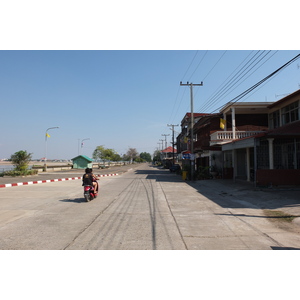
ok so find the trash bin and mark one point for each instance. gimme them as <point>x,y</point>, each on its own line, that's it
<point>184,175</point>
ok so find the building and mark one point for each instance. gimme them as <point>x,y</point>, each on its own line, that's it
<point>271,157</point>
<point>82,162</point>
<point>167,156</point>
<point>240,120</point>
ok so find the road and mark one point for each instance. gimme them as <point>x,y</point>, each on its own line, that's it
<point>145,208</point>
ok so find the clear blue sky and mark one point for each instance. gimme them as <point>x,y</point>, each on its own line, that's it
<point>125,98</point>
<point>121,99</point>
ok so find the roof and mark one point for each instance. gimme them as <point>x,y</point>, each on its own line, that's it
<point>246,107</point>
<point>169,150</point>
<point>83,156</point>
<point>187,116</point>
<point>288,130</point>
<point>279,102</point>
<point>196,115</point>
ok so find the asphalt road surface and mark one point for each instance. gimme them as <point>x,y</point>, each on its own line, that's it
<point>144,209</point>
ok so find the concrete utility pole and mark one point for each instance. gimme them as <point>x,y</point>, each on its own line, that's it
<point>165,135</point>
<point>192,124</point>
<point>162,144</point>
<point>172,125</point>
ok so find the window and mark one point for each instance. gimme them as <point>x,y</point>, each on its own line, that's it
<point>274,119</point>
<point>290,113</point>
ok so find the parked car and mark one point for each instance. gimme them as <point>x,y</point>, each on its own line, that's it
<point>174,168</point>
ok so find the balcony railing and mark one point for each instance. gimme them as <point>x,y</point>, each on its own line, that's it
<point>222,137</point>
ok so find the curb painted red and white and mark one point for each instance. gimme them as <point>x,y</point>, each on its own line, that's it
<point>48,180</point>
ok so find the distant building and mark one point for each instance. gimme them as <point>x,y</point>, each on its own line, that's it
<point>82,162</point>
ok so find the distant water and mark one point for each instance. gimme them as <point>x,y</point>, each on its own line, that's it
<point>6,167</point>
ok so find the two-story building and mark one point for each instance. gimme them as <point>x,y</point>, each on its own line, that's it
<point>271,157</point>
<point>168,156</point>
<point>183,140</point>
<point>240,120</point>
<point>260,141</point>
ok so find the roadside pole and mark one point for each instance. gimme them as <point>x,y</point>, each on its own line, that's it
<point>192,124</point>
<point>172,125</point>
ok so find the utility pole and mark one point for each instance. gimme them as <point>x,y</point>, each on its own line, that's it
<point>192,124</point>
<point>165,135</point>
<point>162,144</point>
<point>172,125</point>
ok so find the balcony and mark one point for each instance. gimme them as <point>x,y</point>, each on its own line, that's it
<point>223,137</point>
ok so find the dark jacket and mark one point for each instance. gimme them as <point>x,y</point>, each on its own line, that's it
<point>87,179</point>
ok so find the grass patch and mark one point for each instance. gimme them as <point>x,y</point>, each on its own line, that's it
<point>277,215</point>
<point>15,173</point>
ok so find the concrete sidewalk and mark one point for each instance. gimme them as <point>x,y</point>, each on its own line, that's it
<point>244,194</point>
<point>223,215</point>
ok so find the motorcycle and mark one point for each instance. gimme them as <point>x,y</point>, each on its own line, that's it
<point>89,193</point>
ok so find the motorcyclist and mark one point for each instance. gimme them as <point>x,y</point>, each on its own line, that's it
<point>90,179</point>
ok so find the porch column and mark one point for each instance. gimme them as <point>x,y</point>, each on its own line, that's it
<point>225,118</point>
<point>271,155</point>
<point>295,154</point>
<point>234,164</point>
<point>248,163</point>
<point>233,122</point>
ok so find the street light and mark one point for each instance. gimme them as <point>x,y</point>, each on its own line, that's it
<point>82,143</point>
<point>46,136</point>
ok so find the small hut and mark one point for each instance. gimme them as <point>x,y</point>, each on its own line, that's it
<point>82,162</point>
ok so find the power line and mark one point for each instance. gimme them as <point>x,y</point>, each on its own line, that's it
<point>219,89</point>
<point>179,88</point>
<point>233,81</point>
<point>245,72</point>
<point>198,64</point>
<point>237,98</point>
<point>215,65</point>
<point>190,64</point>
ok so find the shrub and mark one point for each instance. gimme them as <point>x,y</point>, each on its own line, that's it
<point>21,160</point>
<point>15,173</point>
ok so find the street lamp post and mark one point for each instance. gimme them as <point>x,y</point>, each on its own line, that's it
<point>82,142</point>
<point>46,136</point>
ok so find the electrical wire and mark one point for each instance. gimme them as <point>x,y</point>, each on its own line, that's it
<point>224,83</point>
<point>214,65</point>
<point>240,96</point>
<point>246,71</point>
<point>228,86</point>
<point>179,89</point>
<point>198,65</point>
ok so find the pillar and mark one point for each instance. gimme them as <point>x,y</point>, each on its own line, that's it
<point>271,154</point>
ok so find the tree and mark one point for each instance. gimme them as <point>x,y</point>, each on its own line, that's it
<point>106,154</point>
<point>21,160</point>
<point>156,156</point>
<point>146,156</point>
<point>132,153</point>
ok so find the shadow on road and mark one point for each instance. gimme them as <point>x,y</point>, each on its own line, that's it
<point>160,174</point>
<point>76,200</point>
<point>284,248</point>
<point>228,194</point>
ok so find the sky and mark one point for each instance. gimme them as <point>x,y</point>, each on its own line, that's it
<point>122,99</point>
<point>117,84</point>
